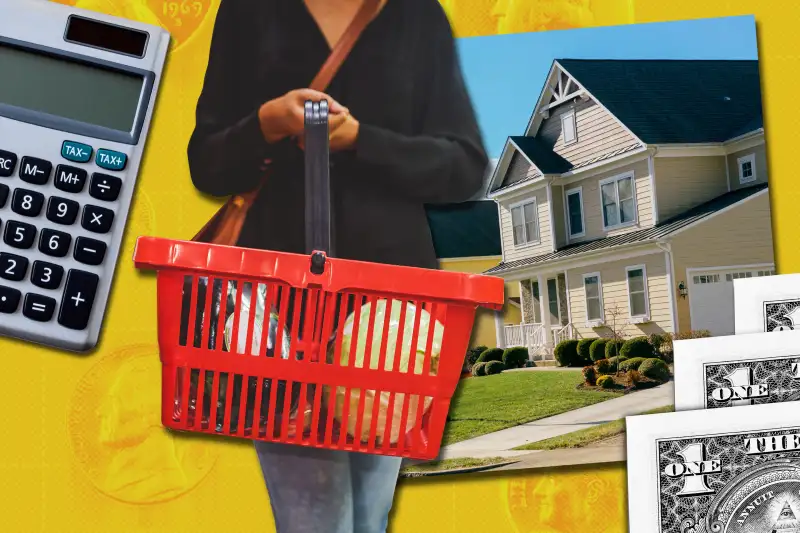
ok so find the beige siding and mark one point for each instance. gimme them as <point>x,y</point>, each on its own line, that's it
<point>519,169</point>
<point>685,182</point>
<point>558,216</point>
<point>738,237</point>
<point>761,166</point>
<point>614,283</point>
<point>598,132</point>
<point>592,212</point>
<point>543,245</point>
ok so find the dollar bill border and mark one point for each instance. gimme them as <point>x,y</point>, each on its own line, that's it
<point>741,362</point>
<point>766,316</point>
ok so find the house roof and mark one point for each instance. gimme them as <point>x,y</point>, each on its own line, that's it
<point>643,236</point>
<point>543,156</point>
<point>469,229</point>
<point>676,101</point>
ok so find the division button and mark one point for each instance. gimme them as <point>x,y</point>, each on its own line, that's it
<point>34,170</point>
<point>78,298</point>
<point>9,300</point>
<point>8,162</point>
<point>70,179</point>
<point>77,152</point>
<point>89,251</point>
<point>105,187</point>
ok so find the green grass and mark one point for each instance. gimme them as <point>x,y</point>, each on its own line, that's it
<point>453,464</point>
<point>490,403</point>
<point>584,437</point>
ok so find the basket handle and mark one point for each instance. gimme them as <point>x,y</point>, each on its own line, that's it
<point>317,184</point>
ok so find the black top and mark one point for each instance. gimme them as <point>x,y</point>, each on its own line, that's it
<point>418,144</point>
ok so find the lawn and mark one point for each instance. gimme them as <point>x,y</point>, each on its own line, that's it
<point>453,464</point>
<point>490,403</point>
<point>584,437</point>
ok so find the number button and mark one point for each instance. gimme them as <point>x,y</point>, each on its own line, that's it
<point>19,234</point>
<point>46,275</point>
<point>38,307</point>
<point>62,211</point>
<point>79,293</point>
<point>13,267</point>
<point>105,187</point>
<point>27,203</point>
<point>8,162</point>
<point>97,219</point>
<point>54,243</point>
<point>34,170</point>
<point>9,300</point>
<point>89,251</point>
<point>70,179</point>
<point>4,191</point>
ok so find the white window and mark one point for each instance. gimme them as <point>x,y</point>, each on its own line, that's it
<point>569,127</point>
<point>639,305</point>
<point>617,201</point>
<point>537,309</point>
<point>575,212</point>
<point>747,168</point>
<point>705,279</point>
<point>593,291</point>
<point>525,223</point>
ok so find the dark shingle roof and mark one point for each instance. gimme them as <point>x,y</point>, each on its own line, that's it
<point>676,101</point>
<point>543,156</point>
<point>637,237</point>
<point>469,229</point>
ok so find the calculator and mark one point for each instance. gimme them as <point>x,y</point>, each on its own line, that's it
<point>77,91</point>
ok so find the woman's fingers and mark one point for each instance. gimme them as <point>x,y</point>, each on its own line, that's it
<point>334,107</point>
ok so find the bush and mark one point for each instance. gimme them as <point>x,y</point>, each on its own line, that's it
<point>473,354</point>
<point>492,354</point>
<point>584,350</point>
<point>597,350</point>
<point>566,353</point>
<point>494,367</point>
<point>655,369</point>
<point>693,334</point>
<point>613,347</point>
<point>515,357</point>
<point>634,378</point>
<point>529,364</point>
<point>479,369</point>
<point>604,366</point>
<point>590,375</point>
<point>606,382</point>
<point>637,347</point>
<point>631,364</point>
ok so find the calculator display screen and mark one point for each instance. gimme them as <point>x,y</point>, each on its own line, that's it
<point>69,89</point>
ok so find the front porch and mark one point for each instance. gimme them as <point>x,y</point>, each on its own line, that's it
<point>534,337</point>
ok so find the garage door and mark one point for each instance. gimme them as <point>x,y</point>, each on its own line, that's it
<point>711,298</point>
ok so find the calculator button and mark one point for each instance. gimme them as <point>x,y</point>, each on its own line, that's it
<point>89,251</point>
<point>111,160</point>
<point>62,211</point>
<point>8,162</point>
<point>4,190</point>
<point>70,179</point>
<point>38,307</point>
<point>104,187</point>
<point>13,267</point>
<point>97,219</point>
<point>54,243</point>
<point>46,275</point>
<point>34,170</point>
<point>9,300</point>
<point>19,234</point>
<point>27,203</point>
<point>77,152</point>
<point>76,303</point>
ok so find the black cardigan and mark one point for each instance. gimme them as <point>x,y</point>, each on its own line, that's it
<point>418,144</point>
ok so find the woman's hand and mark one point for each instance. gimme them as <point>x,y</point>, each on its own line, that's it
<point>344,137</point>
<point>285,116</point>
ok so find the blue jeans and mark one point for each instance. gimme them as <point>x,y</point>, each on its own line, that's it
<point>313,490</point>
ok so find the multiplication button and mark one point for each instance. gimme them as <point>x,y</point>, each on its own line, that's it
<point>35,170</point>
<point>8,162</point>
<point>97,219</point>
<point>78,298</point>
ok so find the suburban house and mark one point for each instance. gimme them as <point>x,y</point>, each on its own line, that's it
<point>635,196</point>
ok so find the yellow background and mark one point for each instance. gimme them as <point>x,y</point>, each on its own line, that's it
<point>82,449</point>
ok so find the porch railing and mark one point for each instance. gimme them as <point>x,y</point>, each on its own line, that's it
<point>563,334</point>
<point>529,335</point>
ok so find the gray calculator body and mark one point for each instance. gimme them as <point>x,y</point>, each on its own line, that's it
<point>73,123</point>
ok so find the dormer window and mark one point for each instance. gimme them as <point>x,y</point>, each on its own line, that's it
<point>569,127</point>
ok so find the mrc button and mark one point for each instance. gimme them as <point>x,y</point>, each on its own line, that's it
<point>77,152</point>
<point>111,160</point>
<point>8,162</point>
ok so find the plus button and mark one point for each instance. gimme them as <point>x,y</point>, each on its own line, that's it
<point>77,299</point>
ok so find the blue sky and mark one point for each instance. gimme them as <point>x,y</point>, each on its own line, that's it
<point>504,74</point>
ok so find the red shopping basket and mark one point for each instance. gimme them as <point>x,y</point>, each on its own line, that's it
<point>288,375</point>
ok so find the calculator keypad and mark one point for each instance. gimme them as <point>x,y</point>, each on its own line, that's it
<point>42,234</point>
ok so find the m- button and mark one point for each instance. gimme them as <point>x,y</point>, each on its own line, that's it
<point>8,162</point>
<point>77,152</point>
<point>111,160</point>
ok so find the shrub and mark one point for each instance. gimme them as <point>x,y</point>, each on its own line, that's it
<point>566,353</point>
<point>606,382</point>
<point>693,334</point>
<point>655,369</point>
<point>492,354</point>
<point>604,366</point>
<point>597,350</point>
<point>637,347</point>
<point>590,375</point>
<point>479,369</point>
<point>584,350</point>
<point>634,378</point>
<point>473,354</point>
<point>631,364</point>
<point>494,367</point>
<point>613,346</point>
<point>529,364</point>
<point>515,357</point>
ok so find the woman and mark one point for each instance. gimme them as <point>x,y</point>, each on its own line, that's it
<point>407,137</point>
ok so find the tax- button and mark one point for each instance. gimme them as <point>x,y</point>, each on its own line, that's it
<point>111,160</point>
<point>77,152</point>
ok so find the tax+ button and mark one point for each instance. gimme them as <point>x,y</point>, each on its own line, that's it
<point>111,160</point>
<point>77,152</point>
